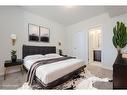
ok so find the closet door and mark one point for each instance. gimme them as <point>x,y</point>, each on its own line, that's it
<point>78,45</point>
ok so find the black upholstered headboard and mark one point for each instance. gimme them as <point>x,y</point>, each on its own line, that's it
<point>31,50</point>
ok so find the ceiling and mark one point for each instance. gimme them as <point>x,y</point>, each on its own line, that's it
<point>68,15</point>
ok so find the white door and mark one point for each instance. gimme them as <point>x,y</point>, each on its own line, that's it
<point>78,45</point>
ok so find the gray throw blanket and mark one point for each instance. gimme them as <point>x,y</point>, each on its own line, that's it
<point>32,71</point>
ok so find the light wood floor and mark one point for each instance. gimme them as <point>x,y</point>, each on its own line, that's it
<point>15,80</point>
<point>100,72</point>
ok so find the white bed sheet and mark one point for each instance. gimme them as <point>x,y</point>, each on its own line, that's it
<point>50,72</point>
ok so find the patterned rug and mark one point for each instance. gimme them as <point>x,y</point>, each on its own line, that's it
<point>82,81</point>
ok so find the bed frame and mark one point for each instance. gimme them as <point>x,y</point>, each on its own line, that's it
<point>31,50</point>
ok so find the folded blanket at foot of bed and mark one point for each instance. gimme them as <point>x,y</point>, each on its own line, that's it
<point>31,72</point>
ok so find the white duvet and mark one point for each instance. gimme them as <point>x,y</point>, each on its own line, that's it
<point>50,72</point>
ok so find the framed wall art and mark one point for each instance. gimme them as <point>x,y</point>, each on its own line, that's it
<point>44,34</point>
<point>38,33</point>
<point>33,32</point>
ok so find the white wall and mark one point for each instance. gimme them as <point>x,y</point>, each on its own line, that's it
<point>15,20</point>
<point>109,53</point>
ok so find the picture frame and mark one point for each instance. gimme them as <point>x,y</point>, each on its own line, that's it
<point>38,33</point>
<point>33,32</point>
<point>44,34</point>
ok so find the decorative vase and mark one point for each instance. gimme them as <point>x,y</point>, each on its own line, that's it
<point>13,58</point>
<point>119,51</point>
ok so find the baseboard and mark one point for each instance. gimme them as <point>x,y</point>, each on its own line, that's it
<point>103,66</point>
<point>108,68</point>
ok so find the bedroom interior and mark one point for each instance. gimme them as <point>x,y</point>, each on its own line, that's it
<point>55,47</point>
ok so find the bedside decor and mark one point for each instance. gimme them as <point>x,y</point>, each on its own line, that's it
<point>120,36</point>
<point>60,50</point>
<point>13,56</point>
<point>13,38</point>
<point>13,51</point>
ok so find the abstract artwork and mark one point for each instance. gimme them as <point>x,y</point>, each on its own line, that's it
<point>33,32</point>
<point>38,33</point>
<point>44,34</point>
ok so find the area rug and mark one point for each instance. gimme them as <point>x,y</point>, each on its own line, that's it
<point>84,81</point>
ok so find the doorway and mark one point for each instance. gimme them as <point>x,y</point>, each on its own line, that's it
<point>94,45</point>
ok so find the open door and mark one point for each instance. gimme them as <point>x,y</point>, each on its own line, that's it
<point>94,45</point>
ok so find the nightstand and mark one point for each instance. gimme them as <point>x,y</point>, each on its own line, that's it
<point>9,63</point>
<point>64,55</point>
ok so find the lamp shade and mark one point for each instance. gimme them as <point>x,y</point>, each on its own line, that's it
<point>13,36</point>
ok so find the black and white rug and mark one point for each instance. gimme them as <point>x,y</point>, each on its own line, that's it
<point>83,81</point>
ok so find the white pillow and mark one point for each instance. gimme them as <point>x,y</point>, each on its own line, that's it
<point>52,55</point>
<point>32,57</point>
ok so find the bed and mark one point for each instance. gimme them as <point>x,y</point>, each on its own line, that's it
<point>51,75</point>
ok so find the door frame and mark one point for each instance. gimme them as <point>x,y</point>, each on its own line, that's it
<point>88,33</point>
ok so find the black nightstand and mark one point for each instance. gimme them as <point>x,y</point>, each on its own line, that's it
<point>64,55</point>
<point>9,63</point>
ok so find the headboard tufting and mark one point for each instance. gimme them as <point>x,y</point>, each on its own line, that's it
<point>31,50</point>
